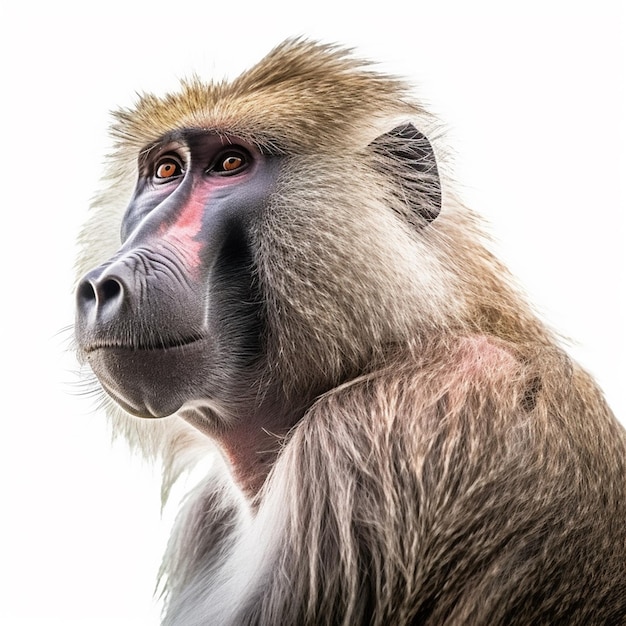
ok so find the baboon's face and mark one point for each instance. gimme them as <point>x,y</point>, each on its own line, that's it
<point>176,305</point>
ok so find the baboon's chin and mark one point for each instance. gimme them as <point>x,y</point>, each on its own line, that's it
<point>148,383</point>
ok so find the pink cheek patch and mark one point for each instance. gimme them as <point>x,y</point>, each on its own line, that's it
<point>182,235</point>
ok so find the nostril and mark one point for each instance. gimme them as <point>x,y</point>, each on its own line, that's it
<point>110,289</point>
<point>86,292</point>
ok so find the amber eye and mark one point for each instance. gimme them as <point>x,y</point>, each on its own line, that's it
<point>167,168</point>
<point>230,162</point>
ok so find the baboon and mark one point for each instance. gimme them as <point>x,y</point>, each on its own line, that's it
<point>283,271</point>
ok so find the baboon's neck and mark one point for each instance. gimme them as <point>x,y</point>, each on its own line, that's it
<point>251,450</point>
<point>250,440</point>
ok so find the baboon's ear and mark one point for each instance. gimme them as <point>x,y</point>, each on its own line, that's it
<point>406,155</point>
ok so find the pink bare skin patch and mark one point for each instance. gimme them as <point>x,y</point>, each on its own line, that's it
<point>478,362</point>
<point>183,233</point>
<point>477,367</point>
<point>482,357</point>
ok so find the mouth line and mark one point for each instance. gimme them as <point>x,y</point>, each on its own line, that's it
<point>158,345</point>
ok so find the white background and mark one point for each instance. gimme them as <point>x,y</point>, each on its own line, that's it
<point>533,96</point>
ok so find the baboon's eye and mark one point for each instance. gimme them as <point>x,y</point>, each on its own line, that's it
<point>230,162</point>
<point>168,168</point>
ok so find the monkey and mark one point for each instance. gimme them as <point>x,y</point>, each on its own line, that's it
<point>279,269</point>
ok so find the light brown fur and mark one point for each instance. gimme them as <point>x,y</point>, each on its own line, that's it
<point>451,464</point>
